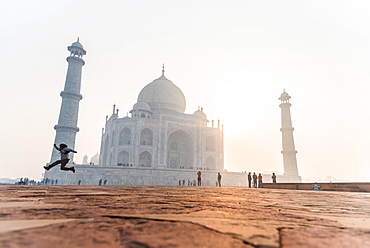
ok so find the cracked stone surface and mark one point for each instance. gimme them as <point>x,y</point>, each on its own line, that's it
<point>164,216</point>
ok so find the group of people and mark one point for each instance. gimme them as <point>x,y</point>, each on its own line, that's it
<point>198,182</point>
<point>190,183</point>
<point>253,179</point>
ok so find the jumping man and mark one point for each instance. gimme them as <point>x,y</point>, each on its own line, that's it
<point>64,158</point>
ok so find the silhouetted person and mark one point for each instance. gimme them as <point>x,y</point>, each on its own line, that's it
<point>199,178</point>
<point>250,180</point>
<point>64,158</point>
<point>219,179</point>
<point>273,178</point>
<point>254,180</point>
<point>259,180</point>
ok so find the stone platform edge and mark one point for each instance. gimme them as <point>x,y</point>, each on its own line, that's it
<point>343,187</point>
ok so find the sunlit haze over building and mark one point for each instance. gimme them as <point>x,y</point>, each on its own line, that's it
<point>232,58</point>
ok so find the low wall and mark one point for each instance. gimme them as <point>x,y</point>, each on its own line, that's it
<point>117,175</point>
<point>344,187</point>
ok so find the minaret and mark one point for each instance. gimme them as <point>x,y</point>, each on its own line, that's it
<point>289,152</point>
<point>66,128</point>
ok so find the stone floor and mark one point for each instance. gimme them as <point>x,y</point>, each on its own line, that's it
<point>161,216</point>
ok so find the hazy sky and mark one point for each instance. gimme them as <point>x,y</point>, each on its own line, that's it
<point>234,58</point>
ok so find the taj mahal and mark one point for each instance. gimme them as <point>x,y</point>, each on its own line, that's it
<point>157,143</point>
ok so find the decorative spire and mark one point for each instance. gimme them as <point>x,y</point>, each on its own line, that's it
<point>78,39</point>
<point>163,70</point>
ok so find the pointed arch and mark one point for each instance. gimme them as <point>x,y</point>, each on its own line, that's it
<point>110,158</point>
<point>145,159</point>
<point>180,152</point>
<point>123,158</point>
<point>106,146</point>
<point>125,136</point>
<point>146,137</point>
<point>112,139</point>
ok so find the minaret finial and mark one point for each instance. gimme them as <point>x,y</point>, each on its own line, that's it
<point>78,39</point>
<point>163,70</point>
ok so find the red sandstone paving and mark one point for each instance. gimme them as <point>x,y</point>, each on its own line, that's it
<point>164,216</point>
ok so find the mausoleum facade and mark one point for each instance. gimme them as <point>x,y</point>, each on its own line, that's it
<point>158,134</point>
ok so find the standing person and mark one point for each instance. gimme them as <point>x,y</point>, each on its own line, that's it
<point>254,180</point>
<point>259,180</point>
<point>273,178</point>
<point>250,180</point>
<point>64,158</point>
<point>219,179</point>
<point>199,178</point>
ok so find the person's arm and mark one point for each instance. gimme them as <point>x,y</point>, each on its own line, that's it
<point>55,146</point>
<point>70,150</point>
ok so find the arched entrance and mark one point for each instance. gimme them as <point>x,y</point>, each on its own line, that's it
<point>146,137</point>
<point>125,137</point>
<point>180,150</point>
<point>106,149</point>
<point>123,158</point>
<point>145,159</point>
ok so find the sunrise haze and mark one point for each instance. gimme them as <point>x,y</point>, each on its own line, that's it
<point>233,58</point>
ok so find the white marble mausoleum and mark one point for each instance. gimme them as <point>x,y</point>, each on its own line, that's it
<point>157,144</point>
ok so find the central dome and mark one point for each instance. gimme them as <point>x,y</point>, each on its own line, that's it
<point>163,94</point>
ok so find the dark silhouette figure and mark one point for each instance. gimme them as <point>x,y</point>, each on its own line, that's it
<point>254,180</point>
<point>64,154</point>
<point>260,181</point>
<point>219,179</point>
<point>199,178</point>
<point>273,178</point>
<point>250,180</point>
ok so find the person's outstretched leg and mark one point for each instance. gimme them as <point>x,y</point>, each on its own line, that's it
<point>52,165</point>
<point>63,166</point>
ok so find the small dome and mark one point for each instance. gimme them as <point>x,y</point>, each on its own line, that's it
<point>200,114</point>
<point>77,49</point>
<point>284,96</point>
<point>163,94</point>
<point>77,44</point>
<point>141,106</point>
